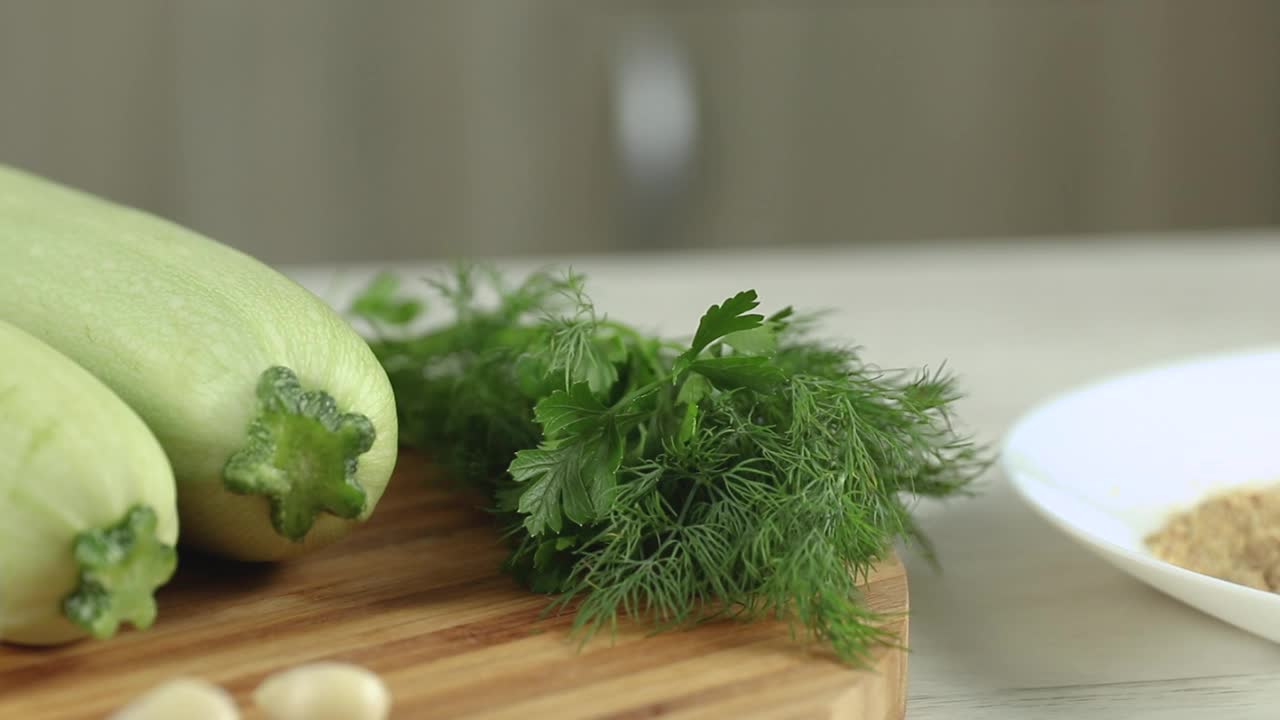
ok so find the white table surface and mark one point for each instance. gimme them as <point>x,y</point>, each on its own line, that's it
<point>1021,623</point>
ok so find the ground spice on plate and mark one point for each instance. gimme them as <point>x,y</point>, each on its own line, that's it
<point>1234,536</point>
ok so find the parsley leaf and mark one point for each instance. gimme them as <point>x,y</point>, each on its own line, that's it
<point>760,340</point>
<point>574,480</point>
<point>721,320</point>
<point>695,388</point>
<point>569,413</point>
<point>733,372</point>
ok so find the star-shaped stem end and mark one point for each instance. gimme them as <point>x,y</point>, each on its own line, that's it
<point>120,567</point>
<point>301,455</point>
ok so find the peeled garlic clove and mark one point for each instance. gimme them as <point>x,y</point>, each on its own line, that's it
<point>185,698</point>
<point>324,691</point>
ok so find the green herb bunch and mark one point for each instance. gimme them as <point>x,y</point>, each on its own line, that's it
<point>751,471</point>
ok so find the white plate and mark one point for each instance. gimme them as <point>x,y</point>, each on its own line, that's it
<point>1107,463</point>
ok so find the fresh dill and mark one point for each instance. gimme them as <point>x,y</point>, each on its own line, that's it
<point>752,471</point>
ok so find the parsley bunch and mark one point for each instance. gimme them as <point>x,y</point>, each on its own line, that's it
<point>751,471</point>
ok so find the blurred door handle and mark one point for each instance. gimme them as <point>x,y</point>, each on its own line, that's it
<point>655,122</point>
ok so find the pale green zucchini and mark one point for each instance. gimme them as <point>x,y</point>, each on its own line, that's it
<point>277,418</point>
<point>88,518</point>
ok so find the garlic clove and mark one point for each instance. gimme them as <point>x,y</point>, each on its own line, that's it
<point>324,691</point>
<point>186,698</point>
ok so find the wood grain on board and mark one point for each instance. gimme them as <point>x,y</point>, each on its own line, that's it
<point>415,595</point>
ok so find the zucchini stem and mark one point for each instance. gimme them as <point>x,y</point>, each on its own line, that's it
<point>301,454</point>
<point>120,567</point>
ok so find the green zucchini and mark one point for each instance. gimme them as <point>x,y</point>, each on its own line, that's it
<point>277,418</point>
<point>88,517</point>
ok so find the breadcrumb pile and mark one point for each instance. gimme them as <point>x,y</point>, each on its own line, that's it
<point>1234,536</point>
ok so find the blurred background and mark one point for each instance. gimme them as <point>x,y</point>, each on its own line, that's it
<point>341,130</point>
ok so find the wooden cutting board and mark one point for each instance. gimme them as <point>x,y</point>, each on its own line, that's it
<point>416,597</point>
